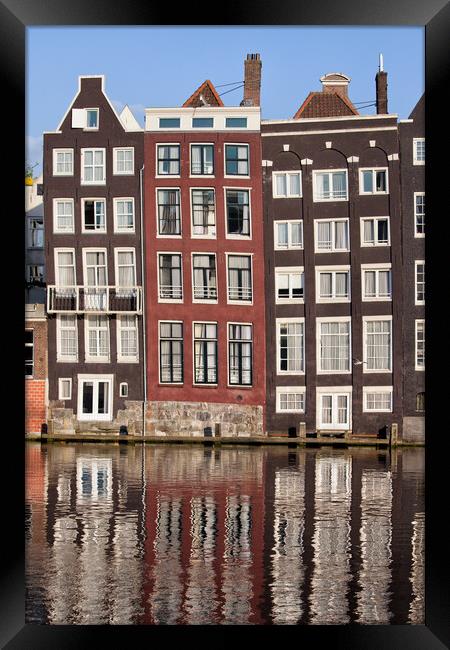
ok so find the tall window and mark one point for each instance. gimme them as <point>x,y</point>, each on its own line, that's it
<point>63,220</point>
<point>378,345</point>
<point>65,268</point>
<point>95,402</point>
<point>238,212</point>
<point>62,162</point>
<point>127,338</point>
<point>35,233</point>
<point>240,354</point>
<point>373,181</point>
<point>291,346</point>
<point>419,213</point>
<point>97,338</point>
<point>332,285</point>
<point>124,160</point>
<point>289,284</point>
<point>240,278</point>
<point>169,220</point>
<point>203,213</point>
<point>124,215</point>
<point>375,231</point>
<point>237,160</point>
<point>419,151</point>
<point>288,235</point>
<point>94,218</point>
<point>204,276</point>
<point>420,345</point>
<point>332,235</point>
<point>29,352</point>
<point>287,184</point>
<point>376,284</point>
<point>66,337</point>
<point>170,276</point>
<point>171,353</point>
<point>333,346</point>
<point>202,159</point>
<point>95,269</point>
<point>420,283</point>
<point>420,402</point>
<point>93,170</point>
<point>205,353</point>
<point>330,185</point>
<point>125,272</point>
<point>169,160</point>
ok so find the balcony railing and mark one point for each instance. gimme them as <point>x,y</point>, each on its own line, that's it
<point>94,300</point>
<point>203,292</point>
<point>240,293</point>
<point>170,292</point>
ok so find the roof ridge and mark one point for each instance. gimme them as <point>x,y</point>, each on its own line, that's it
<point>206,84</point>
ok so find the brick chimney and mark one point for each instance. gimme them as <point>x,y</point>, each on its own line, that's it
<point>335,82</point>
<point>381,89</point>
<point>252,80</point>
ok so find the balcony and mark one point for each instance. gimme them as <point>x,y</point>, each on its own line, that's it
<point>243,294</point>
<point>94,300</point>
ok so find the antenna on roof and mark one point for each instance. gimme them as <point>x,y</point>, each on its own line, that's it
<point>381,63</point>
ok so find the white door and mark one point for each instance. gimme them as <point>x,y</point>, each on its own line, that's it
<point>334,411</point>
<point>95,399</point>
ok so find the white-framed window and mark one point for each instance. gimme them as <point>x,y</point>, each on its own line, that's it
<point>171,352</point>
<point>127,338</point>
<point>95,397</point>
<point>332,284</point>
<point>239,278</point>
<point>63,216</point>
<point>93,166</point>
<point>66,337</point>
<point>334,407</point>
<point>36,232</point>
<point>29,353</point>
<point>167,159</point>
<point>124,215</point>
<point>375,231</point>
<point>97,338</point>
<point>237,160</point>
<point>330,185</point>
<point>419,214</point>
<point>93,215</point>
<point>62,162</point>
<point>286,184</point>
<point>237,206</point>
<point>373,180</point>
<point>169,212</point>
<point>418,151</point>
<point>376,282</point>
<point>204,277</point>
<point>289,284</point>
<point>240,354</point>
<point>95,269</point>
<point>331,235</point>
<point>170,277</point>
<point>333,345</point>
<point>203,210</point>
<point>377,343</point>
<point>205,352</point>
<point>420,344</point>
<point>288,235</point>
<point>123,389</point>
<point>290,399</point>
<point>65,274</point>
<point>377,399</point>
<point>202,159</point>
<point>92,119</point>
<point>65,388</point>
<point>123,161</point>
<point>125,267</point>
<point>290,334</point>
<point>419,282</point>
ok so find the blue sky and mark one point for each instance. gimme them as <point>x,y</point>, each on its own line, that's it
<point>162,66</point>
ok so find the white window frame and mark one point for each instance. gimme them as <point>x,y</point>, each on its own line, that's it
<point>118,229</point>
<point>65,250</point>
<point>333,249</point>
<point>375,243</point>
<point>203,144</point>
<point>419,321</point>
<point>204,322</point>
<point>59,357</point>
<point>158,235</point>
<point>96,231</point>
<point>290,245</point>
<point>116,172</point>
<point>82,154</point>
<point>167,144</point>
<point>121,358</point>
<point>376,268</point>
<point>56,230</point>
<point>250,215</point>
<point>366,319</point>
<point>278,323</point>
<point>334,391</point>
<point>329,171</point>
<point>377,390</point>
<point>282,390</point>
<point>419,235</point>
<point>333,270</point>
<point>94,249</point>
<point>95,417</point>
<point>235,144</point>
<point>123,249</point>
<point>252,343</point>
<point>289,271</point>
<point>123,389</point>
<point>415,159</point>
<point>204,300</point>
<point>238,302</point>
<point>416,264</point>
<point>65,151</point>
<point>170,300</point>
<point>202,189</point>
<point>97,358</point>
<point>92,128</point>
<point>183,351</point>
<point>373,170</point>
<point>288,195</point>
<point>61,395</point>
<point>333,319</point>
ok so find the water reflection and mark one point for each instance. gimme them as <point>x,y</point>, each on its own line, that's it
<point>190,535</point>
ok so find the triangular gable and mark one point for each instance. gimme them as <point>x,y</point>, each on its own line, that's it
<point>329,104</point>
<point>205,95</point>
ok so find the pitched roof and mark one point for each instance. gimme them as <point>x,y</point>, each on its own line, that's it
<point>205,95</point>
<point>325,104</point>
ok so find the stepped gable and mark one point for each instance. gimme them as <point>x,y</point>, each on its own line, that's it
<point>205,95</point>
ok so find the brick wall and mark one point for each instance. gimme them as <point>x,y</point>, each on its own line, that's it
<point>40,347</point>
<point>34,405</point>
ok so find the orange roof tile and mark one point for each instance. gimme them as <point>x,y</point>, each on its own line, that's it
<point>209,93</point>
<point>325,104</point>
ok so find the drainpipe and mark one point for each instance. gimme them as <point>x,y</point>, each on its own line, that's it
<point>144,352</point>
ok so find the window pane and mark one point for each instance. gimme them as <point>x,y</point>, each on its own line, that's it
<point>367,181</point>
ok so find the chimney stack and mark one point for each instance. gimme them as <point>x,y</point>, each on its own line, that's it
<point>335,82</point>
<point>252,80</point>
<point>381,88</point>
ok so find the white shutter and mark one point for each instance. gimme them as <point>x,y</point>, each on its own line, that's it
<point>78,118</point>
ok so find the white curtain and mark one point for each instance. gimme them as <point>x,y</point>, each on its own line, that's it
<point>324,235</point>
<point>281,184</point>
<point>369,231</point>
<point>369,284</point>
<point>326,285</point>
<point>125,263</point>
<point>378,345</point>
<point>341,235</point>
<point>297,234</point>
<point>342,284</point>
<point>66,269</point>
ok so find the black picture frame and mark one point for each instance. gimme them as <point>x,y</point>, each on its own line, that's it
<point>15,17</point>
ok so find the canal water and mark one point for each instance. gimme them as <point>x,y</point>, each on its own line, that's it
<point>192,534</point>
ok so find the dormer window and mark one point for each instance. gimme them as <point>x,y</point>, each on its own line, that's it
<point>85,118</point>
<point>92,118</point>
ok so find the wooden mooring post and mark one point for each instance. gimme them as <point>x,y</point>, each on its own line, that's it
<point>302,430</point>
<point>393,436</point>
